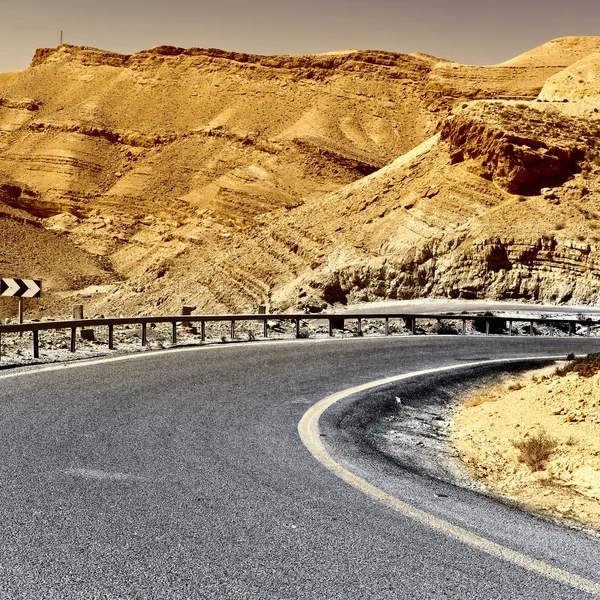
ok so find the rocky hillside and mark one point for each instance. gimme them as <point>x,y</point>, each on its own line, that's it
<point>579,82</point>
<point>230,180</point>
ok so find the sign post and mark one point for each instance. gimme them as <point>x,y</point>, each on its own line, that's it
<point>20,314</point>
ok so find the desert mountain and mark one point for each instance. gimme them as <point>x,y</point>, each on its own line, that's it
<point>228,180</point>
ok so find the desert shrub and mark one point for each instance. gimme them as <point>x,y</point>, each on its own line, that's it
<point>446,328</point>
<point>535,449</point>
<point>497,325</point>
<point>584,366</point>
<point>564,327</point>
<point>559,226</point>
<point>304,333</point>
<point>521,106</point>
<point>513,387</point>
<point>478,399</point>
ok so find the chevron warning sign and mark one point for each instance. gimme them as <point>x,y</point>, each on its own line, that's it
<point>25,288</point>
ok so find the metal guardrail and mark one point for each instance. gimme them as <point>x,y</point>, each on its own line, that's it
<point>506,97</point>
<point>334,320</point>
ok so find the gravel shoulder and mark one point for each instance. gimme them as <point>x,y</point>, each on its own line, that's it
<point>535,440</point>
<point>460,428</point>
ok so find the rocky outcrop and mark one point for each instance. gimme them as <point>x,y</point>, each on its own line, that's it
<point>542,270</point>
<point>521,162</point>
<point>116,136</point>
<point>26,104</point>
<point>310,66</point>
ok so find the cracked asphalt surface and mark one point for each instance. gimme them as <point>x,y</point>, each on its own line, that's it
<point>182,475</point>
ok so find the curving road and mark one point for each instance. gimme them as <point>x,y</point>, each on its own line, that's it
<point>182,475</point>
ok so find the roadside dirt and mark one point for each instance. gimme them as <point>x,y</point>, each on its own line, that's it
<point>493,431</point>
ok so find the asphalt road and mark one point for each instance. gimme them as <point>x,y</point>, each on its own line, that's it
<point>438,306</point>
<point>182,475</point>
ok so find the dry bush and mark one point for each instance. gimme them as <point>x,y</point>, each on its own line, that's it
<point>496,324</point>
<point>535,449</point>
<point>477,400</point>
<point>513,387</point>
<point>445,328</point>
<point>584,366</point>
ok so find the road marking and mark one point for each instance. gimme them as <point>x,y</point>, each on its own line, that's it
<point>308,429</point>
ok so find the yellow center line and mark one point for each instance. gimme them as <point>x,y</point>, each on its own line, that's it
<point>308,429</point>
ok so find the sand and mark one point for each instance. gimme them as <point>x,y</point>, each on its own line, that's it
<point>567,408</point>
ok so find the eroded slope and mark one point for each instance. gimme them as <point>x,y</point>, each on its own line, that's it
<point>228,180</point>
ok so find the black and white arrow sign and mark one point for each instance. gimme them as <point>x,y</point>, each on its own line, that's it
<point>26,288</point>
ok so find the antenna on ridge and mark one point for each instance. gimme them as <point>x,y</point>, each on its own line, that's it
<point>61,37</point>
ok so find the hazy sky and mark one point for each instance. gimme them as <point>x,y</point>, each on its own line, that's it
<point>469,31</point>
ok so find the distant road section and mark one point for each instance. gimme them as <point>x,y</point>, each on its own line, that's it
<point>471,306</point>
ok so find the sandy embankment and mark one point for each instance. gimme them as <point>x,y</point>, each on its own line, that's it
<point>567,409</point>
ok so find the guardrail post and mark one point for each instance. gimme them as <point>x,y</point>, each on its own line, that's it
<point>551,329</point>
<point>413,325</point>
<point>359,327</point>
<point>487,327</point>
<point>202,330</point>
<point>570,329</point>
<point>73,338</point>
<point>111,338</point>
<point>297,328</point>
<point>531,328</point>
<point>464,326</point>
<point>438,325</point>
<point>232,332</point>
<point>330,328</point>
<point>36,345</point>
<point>387,326</point>
<point>20,314</point>
<point>144,340</point>
<point>265,328</point>
<point>174,333</point>
<point>589,330</point>
<point>510,327</point>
